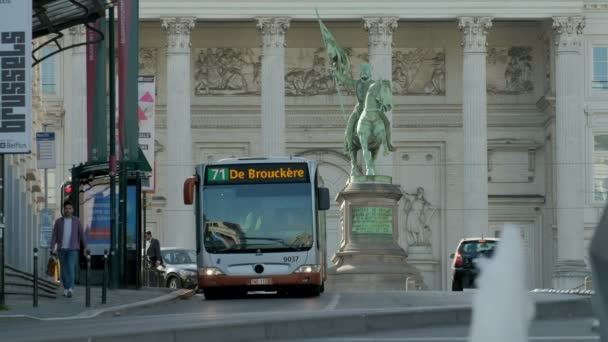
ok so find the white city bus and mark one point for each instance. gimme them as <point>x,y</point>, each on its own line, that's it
<point>260,226</point>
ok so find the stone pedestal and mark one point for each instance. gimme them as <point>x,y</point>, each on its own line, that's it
<point>369,257</point>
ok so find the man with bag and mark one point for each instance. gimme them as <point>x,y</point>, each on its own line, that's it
<point>67,239</point>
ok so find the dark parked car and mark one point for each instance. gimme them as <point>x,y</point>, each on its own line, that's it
<point>464,266</point>
<point>179,267</point>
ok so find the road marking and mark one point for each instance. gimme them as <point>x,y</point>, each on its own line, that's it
<point>333,302</point>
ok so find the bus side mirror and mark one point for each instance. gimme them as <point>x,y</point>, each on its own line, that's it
<point>189,186</point>
<point>452,256</point>
<point>323,199</point>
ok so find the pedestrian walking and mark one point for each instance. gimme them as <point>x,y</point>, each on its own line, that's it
<point>154,257</point>
<point>68,240</point>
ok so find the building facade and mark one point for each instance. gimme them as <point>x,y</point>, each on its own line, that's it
<point>500,113</point>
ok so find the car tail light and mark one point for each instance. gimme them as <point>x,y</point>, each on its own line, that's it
<point>458,260</point>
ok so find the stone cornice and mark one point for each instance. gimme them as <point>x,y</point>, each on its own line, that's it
<point>178,33</point>
<point>273,30</point>
<point>474,33</point>
<point>592,5</point>
<point>404,116</point>
<point>568,33</point>
<point>380,30</point>
<point>355,10</point>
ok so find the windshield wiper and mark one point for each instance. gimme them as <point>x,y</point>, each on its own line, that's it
<point>218,250</point>
<point>281,241</point>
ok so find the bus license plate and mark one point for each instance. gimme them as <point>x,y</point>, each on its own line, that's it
<point>261,281</point>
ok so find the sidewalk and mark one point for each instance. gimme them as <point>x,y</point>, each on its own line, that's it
<point>63,307</point>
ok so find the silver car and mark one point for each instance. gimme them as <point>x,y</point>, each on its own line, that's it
<point>179,267</point>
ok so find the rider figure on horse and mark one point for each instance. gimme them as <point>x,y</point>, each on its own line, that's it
<point>361,87</point>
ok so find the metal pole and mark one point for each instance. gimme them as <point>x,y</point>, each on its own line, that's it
<point>138,233</point>
<point>104,284</point>
<point>35,277</point>
<point>2,300</point>
<point>143,242</point>
<point>122,207</point>
<point>2,226</point>
<point>112,88</point>
<point>88,280</point>
<point>46,180</point>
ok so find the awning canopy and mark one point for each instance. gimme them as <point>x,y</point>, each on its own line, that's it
<point>52,16</point>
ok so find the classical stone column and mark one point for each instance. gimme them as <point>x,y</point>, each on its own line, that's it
<point>570,268</point>
<point>273,85</point>
<point>179,219</point>
<point>75,127</point>
<point>380,42</point>
<point>474,121</point>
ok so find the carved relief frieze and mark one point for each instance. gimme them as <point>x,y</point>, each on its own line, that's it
<point>509,70</point>
<point>147,61</point>
<point>307,75</point>
<point>307,71</point>
<point>418,71</point>
<point>227,71</point>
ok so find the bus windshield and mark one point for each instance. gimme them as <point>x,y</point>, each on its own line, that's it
<point>257,218</point>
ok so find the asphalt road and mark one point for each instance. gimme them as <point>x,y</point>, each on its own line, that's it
<point>564,330</point>
<point>327,301</point>
<point>189,313</point>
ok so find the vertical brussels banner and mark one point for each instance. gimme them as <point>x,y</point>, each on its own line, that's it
<point>128,66</point>
<point>97,139</point>
<point>146,118</point>
<point>15,76</point>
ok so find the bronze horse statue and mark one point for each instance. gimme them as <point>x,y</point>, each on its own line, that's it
<point>370,132</point>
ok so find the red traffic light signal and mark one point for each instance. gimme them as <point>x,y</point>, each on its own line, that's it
<point>68,189</point>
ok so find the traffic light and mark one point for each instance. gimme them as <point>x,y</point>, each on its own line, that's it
<point>66,193</point>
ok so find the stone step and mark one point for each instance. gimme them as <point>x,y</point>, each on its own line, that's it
<point>21,283</point>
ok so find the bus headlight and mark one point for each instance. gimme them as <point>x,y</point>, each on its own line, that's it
<point>308,269</point>
<point>210,271</point>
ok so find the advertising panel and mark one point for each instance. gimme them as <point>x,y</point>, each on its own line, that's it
<point>145,114</point>
<point>15,76</point>
<point>95,216</point>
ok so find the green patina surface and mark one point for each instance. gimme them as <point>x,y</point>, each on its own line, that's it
<point>372,220</point>
<point>371,179</point>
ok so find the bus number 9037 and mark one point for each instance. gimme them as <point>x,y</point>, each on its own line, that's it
<point>290,258</point>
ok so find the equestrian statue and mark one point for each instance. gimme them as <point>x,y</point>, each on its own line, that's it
<point>368,127</point>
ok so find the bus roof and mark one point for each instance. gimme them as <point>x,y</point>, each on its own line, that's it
<point>259,160</point>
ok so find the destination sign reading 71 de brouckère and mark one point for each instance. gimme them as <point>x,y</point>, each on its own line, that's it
<point>256,173</point>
